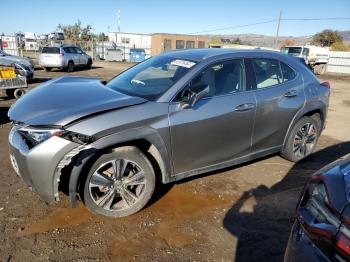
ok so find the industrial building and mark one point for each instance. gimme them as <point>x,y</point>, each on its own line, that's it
<point>135,47</point>
<point>162,42</point>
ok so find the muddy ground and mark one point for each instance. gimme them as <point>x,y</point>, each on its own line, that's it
<point>243,213</point>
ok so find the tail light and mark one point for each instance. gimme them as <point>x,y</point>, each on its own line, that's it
<point>326,84</point>
<point>317,217</point>
<point>343,244</point>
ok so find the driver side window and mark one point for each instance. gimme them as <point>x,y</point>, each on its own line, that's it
<point>222,78</point>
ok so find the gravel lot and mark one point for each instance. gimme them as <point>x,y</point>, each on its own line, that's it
<point>242,213</point>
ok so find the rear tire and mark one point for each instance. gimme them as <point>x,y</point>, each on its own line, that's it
<point>89,63</point>
<point>302,139</point>
<point>119,183</point>
<point>70,66</point>
<point>19,93</point>
<point>47,69</point>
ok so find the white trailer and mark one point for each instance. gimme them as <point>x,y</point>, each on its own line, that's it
<point>315,56</point>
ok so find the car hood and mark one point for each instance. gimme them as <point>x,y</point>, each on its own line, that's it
<point>7,60</point>
<point>63,100</point>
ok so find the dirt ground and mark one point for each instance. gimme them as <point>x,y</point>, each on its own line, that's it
<point>243,213</point>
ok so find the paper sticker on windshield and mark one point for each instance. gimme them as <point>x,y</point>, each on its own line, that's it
<point>182,63</point>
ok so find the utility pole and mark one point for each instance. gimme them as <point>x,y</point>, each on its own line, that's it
<point>278,29</point>
<point>119,21</point>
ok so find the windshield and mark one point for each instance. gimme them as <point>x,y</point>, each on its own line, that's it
<point>50,50</point>
<point>151,78</point>
<point>293,51</point>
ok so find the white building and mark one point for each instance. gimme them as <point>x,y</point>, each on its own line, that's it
<point>127,41</point>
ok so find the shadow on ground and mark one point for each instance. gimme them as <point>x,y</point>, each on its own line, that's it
<point>3,115</point>
<point>262,233</point>
<point>76,69</point>
<point>38,80</point>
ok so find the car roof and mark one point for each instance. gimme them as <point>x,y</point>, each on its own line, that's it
<point>205,53</point>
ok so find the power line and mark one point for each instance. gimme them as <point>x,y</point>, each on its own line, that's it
<point>232,27</point>
<point>271,21</point>
<point>316,19</point>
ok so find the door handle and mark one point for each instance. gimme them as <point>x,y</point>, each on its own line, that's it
<point>244,107</point>
<point>291,93</point>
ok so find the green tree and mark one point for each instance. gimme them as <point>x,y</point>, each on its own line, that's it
<point>76,32</point>
<point>327,38</point>
<point>102,37</point>
<point>340,46</point>
<point>237,41</point>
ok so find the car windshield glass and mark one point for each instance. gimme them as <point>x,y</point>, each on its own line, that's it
<point>51,50</point>
<point>151,78</point>
<point>294,51</point>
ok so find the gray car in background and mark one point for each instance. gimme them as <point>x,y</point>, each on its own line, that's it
<point>65,57</point>
<point>24,65</point>
<point>172,116</point>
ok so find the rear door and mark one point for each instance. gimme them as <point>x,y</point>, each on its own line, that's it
<point>81,55</point>
<point>71,55</point>
<point>75,55</point>
<point>217,128</point>
<point>280,95</point>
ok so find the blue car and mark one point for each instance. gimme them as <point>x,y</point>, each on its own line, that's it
<point>321,231</point>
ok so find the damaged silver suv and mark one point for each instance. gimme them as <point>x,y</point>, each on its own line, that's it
<point>173,116</point>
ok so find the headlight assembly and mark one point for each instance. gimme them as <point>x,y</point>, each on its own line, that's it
<point>36,136</point>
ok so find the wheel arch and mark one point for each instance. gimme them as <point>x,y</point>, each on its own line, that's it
<point>147,140</point>
<point>311,111</point>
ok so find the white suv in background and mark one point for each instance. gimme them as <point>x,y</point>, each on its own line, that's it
<point>65,57</point>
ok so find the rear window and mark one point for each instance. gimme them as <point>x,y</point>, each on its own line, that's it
<point>270,72</point>
<point>50,50</point>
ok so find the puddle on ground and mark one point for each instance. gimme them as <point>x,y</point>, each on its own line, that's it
<point>59,218</point>
<point>181,203</point>
<point>174,210</point>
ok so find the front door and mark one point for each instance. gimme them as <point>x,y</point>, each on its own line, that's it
<point>219,127</point>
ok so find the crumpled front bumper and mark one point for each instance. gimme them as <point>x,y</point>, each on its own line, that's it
<point>37,166</point>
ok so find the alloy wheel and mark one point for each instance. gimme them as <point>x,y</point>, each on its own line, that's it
<point>304,140</point>
<point>117,185</point>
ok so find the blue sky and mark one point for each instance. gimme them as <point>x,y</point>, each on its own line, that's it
<point>180,16</point>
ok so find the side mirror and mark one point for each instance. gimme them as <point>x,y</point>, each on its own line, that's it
<point>195,97</point>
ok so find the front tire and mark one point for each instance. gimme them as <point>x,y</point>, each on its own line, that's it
<point>302,139</point>
<point>70,67</point>
<point>119,183</point>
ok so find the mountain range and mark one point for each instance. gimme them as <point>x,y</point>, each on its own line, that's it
<point>269,41</point>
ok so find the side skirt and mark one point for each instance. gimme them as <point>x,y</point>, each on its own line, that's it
<point>225,164</point>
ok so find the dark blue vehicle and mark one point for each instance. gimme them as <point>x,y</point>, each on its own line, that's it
<point>321,231</point>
